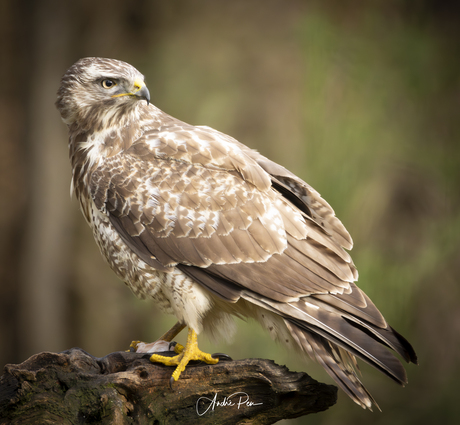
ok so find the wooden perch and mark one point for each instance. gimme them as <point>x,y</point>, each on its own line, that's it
<point>126,388</point>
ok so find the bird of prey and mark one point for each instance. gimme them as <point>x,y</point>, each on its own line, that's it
<point>211,229</point>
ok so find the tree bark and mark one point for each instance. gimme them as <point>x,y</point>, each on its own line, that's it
<point>74,387</point>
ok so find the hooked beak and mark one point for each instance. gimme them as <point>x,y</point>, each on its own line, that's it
<point>139,90</point>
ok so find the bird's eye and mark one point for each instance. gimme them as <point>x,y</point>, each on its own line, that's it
<point>108,83</point>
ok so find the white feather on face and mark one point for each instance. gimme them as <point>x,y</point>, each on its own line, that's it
<point>209,229</point>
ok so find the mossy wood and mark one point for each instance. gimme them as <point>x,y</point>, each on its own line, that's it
<point>74,387</point>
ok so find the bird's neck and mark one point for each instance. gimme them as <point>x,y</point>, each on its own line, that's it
<point>89,149</point>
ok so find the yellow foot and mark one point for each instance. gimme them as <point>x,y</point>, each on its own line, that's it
<point>178,348</point>
<point>188,353</point>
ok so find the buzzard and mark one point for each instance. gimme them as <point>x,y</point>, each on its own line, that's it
<point>211,229</point>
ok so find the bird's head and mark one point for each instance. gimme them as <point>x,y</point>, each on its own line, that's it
<point>96,91</point>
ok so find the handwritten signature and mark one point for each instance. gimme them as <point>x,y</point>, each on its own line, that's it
<point>239,399</point>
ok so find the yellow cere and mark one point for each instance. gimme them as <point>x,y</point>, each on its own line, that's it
<point>138,84</point>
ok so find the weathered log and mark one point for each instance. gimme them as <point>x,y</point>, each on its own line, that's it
<point>74,387</point>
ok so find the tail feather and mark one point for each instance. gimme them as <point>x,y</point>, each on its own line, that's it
<point>335,338</point>
<point>337,363</point>
<point>359,344</point>
<point>367,317</point>
<point>385,335</point>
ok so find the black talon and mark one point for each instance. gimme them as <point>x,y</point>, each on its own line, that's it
<point>222,356</point>
<point>171,382</point>
<point>172,344</point>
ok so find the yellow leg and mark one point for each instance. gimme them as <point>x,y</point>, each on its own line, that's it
<point>189,353</point>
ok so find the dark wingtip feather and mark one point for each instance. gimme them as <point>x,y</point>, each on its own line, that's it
<point>410,355</point>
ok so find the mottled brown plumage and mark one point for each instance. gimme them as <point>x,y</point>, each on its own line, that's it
<point>209,228</point>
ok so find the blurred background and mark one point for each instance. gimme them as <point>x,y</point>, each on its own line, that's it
<point>360,99</point>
